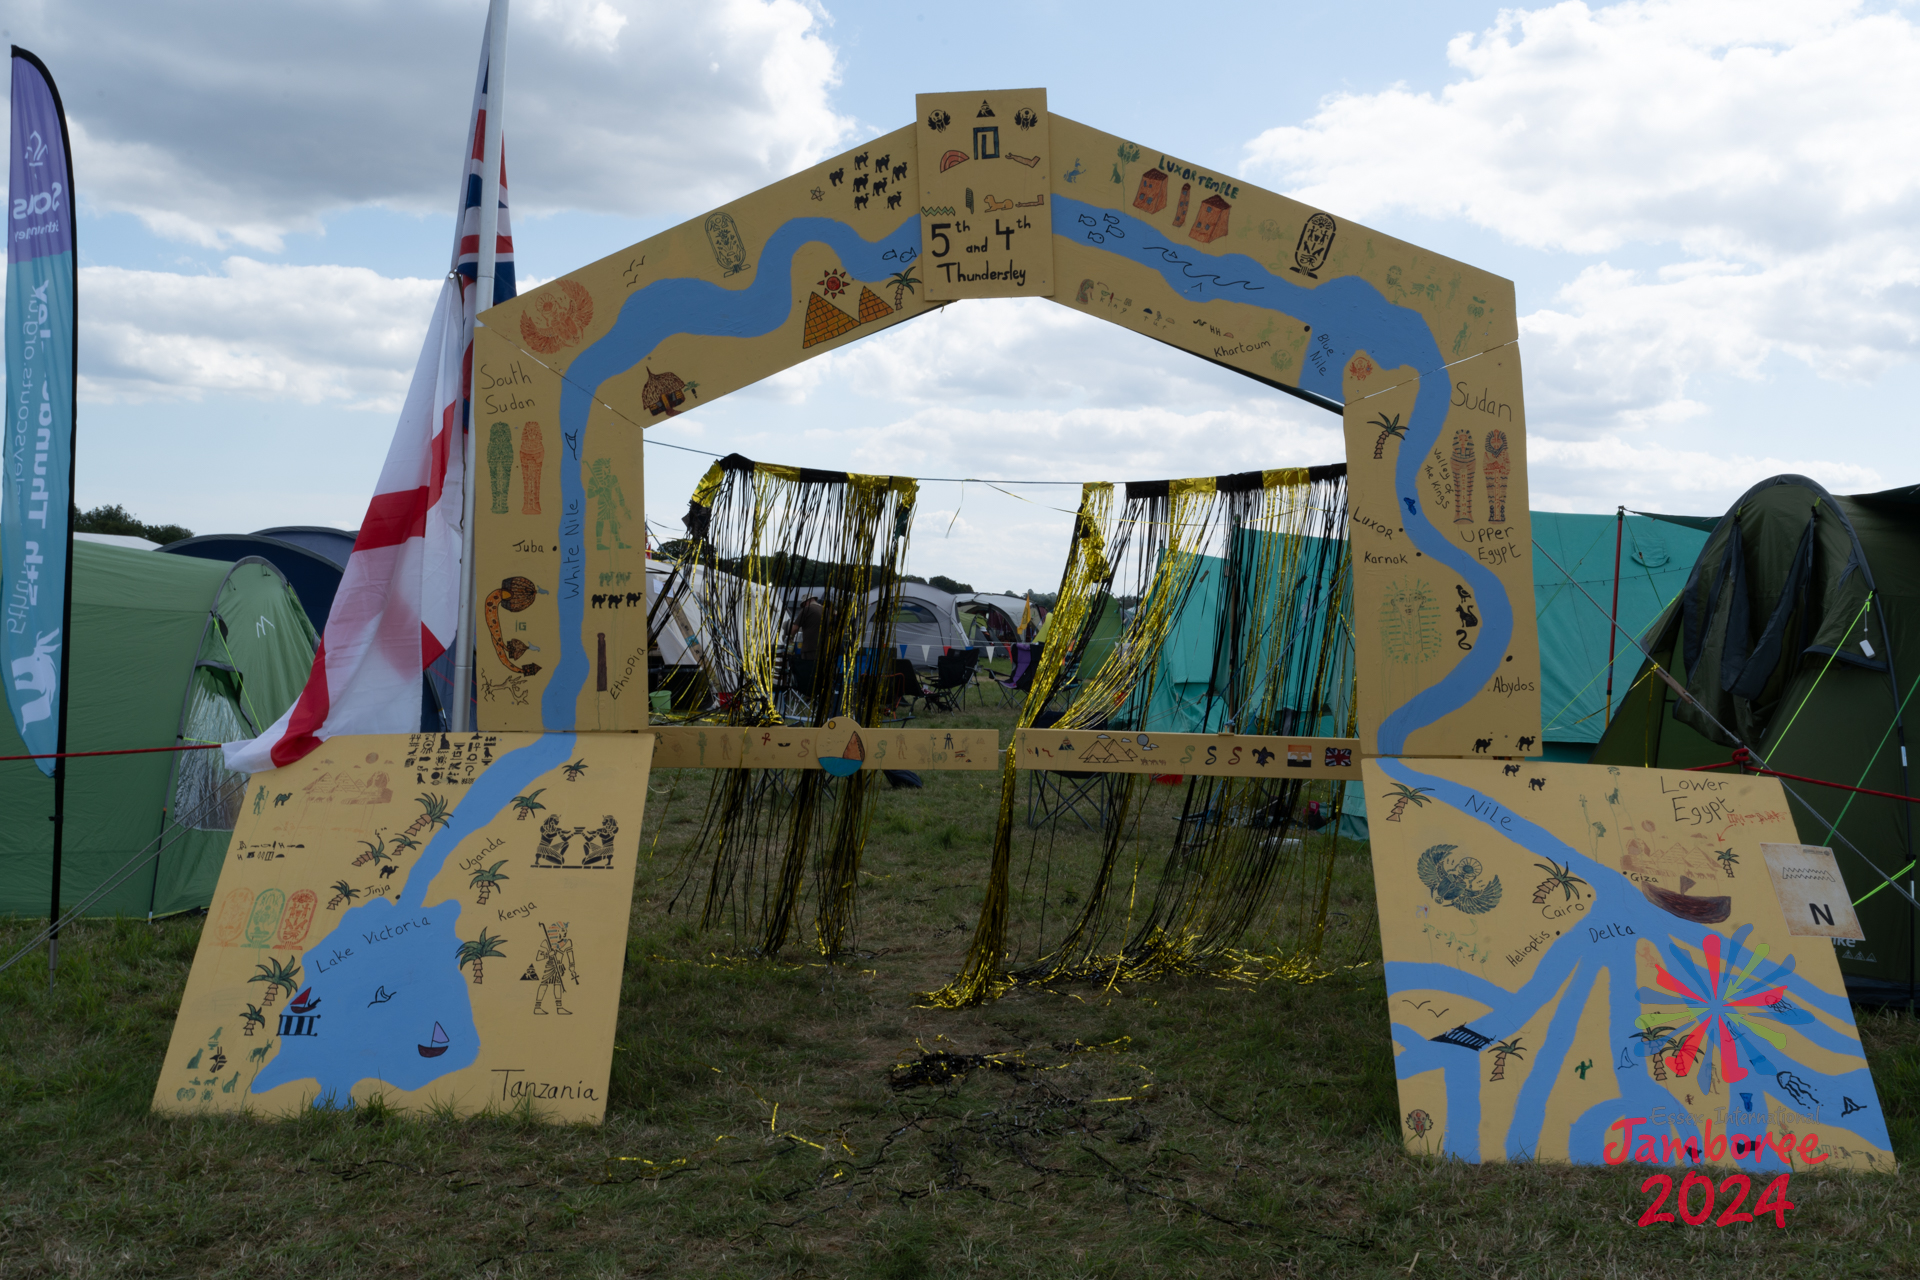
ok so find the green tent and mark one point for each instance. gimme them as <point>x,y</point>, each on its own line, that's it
<point>1798,634</point>
<point>1573,583</point>
<point>166,649</point>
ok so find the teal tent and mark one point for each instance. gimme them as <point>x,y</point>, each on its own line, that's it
<point>1573,594</point>
<point>1193,665</point>
<point>166,650</point>
<point>1573,566</point>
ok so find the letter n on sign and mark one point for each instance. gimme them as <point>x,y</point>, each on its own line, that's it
<point>1814,898</point>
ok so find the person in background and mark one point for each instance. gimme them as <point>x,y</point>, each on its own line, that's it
<point>807,620</point>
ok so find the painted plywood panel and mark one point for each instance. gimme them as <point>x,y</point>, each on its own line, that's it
<point>1447,644</point>
<point>1250,279</point>
<point>797,268</point>
<point>1590,964</point>
<point>1197,258</point>
<point>984,178</point>
<point>435,918</point>
<point>1213,755</point>
<point>841,747</point>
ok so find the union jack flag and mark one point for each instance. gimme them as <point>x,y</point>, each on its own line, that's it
<point>466,249</point>
<point>399,597</point>
<point>1339,758</point>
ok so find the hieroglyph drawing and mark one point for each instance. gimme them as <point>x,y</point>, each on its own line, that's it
<point>1539,921</point>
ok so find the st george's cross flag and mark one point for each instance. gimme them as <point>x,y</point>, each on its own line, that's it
<point>399,598</point>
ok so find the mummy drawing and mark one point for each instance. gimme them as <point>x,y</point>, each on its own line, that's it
<point>1463,477</point>
<point>1499,467</point>
<point>500,464</point>
<point>533,456</point>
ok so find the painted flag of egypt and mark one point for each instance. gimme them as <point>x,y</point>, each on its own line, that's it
<point>400,595</point>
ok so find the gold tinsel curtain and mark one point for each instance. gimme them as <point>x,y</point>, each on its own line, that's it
<point>762,540</point>
<point>1281,663</point>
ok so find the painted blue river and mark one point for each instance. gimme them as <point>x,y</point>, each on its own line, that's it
<point>386,972</point>
<point>648,317</point>
<point>1348,313</point>
<point>1348,316</point>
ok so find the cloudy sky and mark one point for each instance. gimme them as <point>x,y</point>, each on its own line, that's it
<point>1708,209</point>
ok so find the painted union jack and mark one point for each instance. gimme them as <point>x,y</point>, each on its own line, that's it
<point>1339,758</point>
<point>399,598</point>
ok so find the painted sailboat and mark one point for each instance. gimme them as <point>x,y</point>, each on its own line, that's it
<point>438,1044</point>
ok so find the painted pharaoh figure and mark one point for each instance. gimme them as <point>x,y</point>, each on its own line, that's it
<point>554,963</point>
<point>533,457</point>
<point>610,504</point>
<point>1499,468</point>
<point>499,464</point>
<point>1463,477</point>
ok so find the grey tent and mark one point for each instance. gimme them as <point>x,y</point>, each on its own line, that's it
<point>925,624</point>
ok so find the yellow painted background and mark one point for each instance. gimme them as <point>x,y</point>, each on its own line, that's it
<point>1641,823</point>
<point>363,788</point>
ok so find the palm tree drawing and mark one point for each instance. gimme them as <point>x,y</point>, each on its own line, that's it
<point>342,892</point>
<point>903,283</point>
<point>476,953</point>
<point>488,880</point>
<point>1403,795</point>
<point>376,850</point>
<point>434,815</point>
<point>1558,877</point>
<point>1501,1052</point>
<point>403,842</point>
<point>1390,429</point>
<point>277,975</point>
<point>1657,1041</point>
<point>253,1018</point>
<point>1727,858</point>
<point>574,770</point>
<point>526,804</point>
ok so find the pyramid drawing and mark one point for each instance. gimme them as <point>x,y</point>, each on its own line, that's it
<point>871,308</point>
<point>1102,752</point>
<point>824,321</point>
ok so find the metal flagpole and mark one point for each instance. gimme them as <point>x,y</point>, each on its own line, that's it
<point>464,637</point>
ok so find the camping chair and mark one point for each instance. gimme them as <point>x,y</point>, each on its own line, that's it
<point>1053,794</point>
<point>793,686</point>
<point>1026,661</point>
<point>903,687</point>
<point>955,674</point>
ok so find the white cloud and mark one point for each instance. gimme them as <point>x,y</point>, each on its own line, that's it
<point>1752,138</point>
<point>340,335</point>
<point>219,124</point>
<point>1597,475</point>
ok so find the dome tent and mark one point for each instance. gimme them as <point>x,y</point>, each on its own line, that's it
<point>166,649</point>
<point>1798,633</point>
<point>313,559</point>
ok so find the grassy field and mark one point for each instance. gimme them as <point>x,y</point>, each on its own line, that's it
<point>793,1117</point>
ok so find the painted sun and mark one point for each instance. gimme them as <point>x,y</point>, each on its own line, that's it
<point>836,282</point>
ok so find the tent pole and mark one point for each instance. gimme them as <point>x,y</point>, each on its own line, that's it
<point>66,603</point>
<point>1613,630</point>
<point>460,713</point>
